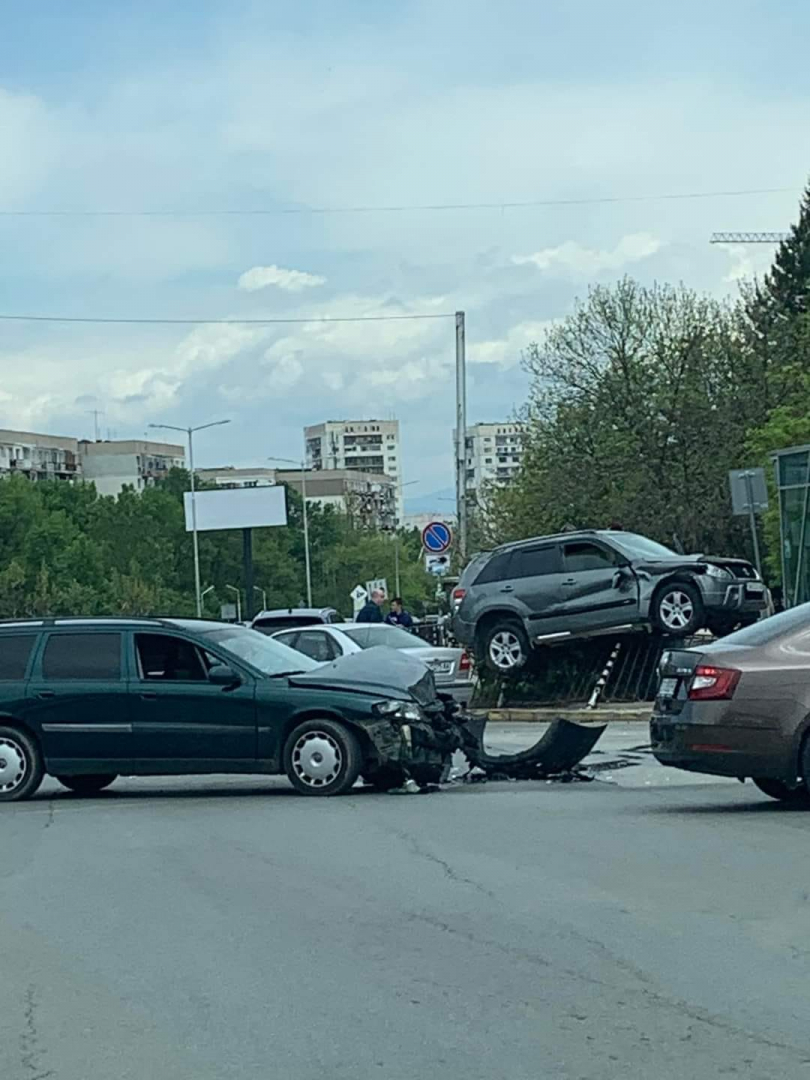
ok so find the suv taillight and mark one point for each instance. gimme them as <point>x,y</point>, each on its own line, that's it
<point>464,663</point>
<point>713,683</point>
<point>458,596</point>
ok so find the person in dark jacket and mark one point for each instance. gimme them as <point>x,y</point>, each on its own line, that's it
<point>398,616</point>
<point>370,612</point>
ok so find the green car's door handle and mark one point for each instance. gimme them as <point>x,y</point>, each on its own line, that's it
<point>149,697</point>
<point>46,693</point>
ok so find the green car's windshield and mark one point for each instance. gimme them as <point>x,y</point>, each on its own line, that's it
<point>271,657</point>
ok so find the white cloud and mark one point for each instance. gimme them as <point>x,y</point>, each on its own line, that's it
<point>506,352</point>
<point>262,277</point>
<point>585,262</point>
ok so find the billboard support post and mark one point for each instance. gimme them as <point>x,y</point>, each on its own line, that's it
<point>247,557</point>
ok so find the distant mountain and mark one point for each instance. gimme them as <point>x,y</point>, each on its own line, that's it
<point>440,503</point>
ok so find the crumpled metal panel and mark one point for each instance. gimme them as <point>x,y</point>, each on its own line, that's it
<point>564,744</point>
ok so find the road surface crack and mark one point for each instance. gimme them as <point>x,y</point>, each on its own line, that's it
<point>31,1050</point>
<point>449,872</point>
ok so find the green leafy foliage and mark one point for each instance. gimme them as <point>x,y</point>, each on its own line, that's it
<point>66,550</point>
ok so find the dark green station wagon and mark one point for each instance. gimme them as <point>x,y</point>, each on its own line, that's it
<point>88,700</point>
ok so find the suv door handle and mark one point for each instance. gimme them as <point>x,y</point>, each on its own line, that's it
<point>508,588</point>
<point>570,581</point>
<point>46,693</point>
<point>149,697</point>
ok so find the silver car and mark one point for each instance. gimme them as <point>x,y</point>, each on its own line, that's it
<point>451,668</point>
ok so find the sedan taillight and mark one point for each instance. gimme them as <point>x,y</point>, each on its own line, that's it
<point>464,663</point>
<point>713,683</point>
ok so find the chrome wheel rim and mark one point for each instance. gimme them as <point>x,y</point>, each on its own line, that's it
<point>13,764</point>
<point>317,759</point>
<point>505,650</point>
<point>677,609</point>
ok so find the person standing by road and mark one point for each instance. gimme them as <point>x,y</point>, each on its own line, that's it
<point>370,612</point>
<point>398,616</point>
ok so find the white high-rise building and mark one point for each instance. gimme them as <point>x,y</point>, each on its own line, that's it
<point>38,457</point>
<point>493,452</point>
<point>369,446</point>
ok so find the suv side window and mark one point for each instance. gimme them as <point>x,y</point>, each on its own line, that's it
<point>15,652</point>
<point>582,555</point>
<point>82,657</point>
<point>497,569</point>
<point>163,658</point>
<point>534,562</point>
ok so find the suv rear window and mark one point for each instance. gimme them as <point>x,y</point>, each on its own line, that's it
<point>15,651</point>
<point>534,562</point>
<point>82,656</point>
<point>497,569</point>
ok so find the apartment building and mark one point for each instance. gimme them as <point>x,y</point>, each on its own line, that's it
<point>112,465</point>
<point>38,457</point>
<point>368,446</point>
<point>494,452</point>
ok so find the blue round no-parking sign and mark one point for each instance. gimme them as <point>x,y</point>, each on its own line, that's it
<point>436,537</point>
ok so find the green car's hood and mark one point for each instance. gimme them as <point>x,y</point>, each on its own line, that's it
<point>383,672</point>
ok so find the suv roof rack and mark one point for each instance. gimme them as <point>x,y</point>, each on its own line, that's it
<point>548,536</point>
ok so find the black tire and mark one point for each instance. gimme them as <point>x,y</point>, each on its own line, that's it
<point>340,758</point>
<point>778,789</point>
<point>88,785</point>
<point>678,609</point>
<point>505,647</point>
<point>21,765</point>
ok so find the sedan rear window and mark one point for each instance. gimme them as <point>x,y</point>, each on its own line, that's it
<point>15,651</point>
<point>391,636</point>
<point>268,626</point>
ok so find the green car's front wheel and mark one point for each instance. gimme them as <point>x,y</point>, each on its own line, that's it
<point>322,757</point>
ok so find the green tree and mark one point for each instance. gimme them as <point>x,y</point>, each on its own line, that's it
<point>634,416</point>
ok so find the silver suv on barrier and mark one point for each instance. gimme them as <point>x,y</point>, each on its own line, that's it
<point>580,584</point>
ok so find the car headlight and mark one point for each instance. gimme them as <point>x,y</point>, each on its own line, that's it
<point>405,711</point>
<point>717,572</point>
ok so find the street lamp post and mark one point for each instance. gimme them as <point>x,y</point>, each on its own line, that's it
<point>189,433</point>
<point>264,597</point>
<point>301,465</point>
<point>238,592</point>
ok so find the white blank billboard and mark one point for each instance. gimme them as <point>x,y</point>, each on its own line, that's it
<point>238,508</point>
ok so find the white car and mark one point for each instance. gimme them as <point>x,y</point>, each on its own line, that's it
<point>451,668</point>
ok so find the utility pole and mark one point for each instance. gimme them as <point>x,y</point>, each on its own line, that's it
<point>95,413</point>
<point>461,435</point>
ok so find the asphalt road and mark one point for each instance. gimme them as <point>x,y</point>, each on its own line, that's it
<point>221,928</point>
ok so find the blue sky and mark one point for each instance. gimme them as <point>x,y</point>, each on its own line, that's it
<point>244,105</point>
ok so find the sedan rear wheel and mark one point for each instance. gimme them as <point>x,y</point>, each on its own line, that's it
<point>796,794</point>
<point>322,757</point>
<point>21,767</point>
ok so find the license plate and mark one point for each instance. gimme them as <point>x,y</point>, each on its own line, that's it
<point>441,667</point>
<point>668,688</point>
<point>755,588</point>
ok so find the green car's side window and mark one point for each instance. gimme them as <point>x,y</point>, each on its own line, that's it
<point>15,652</point>
<point>82,657</point>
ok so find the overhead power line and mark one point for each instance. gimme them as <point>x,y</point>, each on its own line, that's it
<point>396,208</point>
<point>222,322</point>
